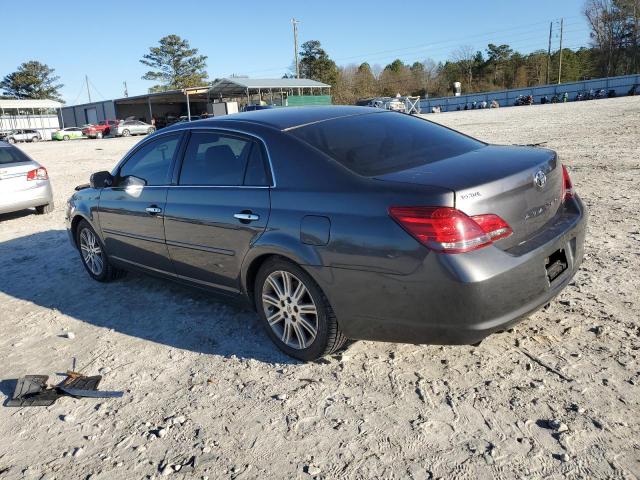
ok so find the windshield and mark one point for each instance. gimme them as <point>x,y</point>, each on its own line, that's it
<point>12,155</point>
<point>384,142</point>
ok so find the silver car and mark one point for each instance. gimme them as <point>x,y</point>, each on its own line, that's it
<point>21,135</point>
<point>132,127</point>
<point>24,183</point>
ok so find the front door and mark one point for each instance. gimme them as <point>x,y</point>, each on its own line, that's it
<point>131,215</point>
<point>218,209</point>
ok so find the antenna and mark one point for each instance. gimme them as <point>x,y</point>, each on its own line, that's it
<point>126,91</point>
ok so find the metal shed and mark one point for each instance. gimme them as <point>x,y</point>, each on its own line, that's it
<point>249,88</point>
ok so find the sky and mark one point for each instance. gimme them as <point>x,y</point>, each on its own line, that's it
<point>106,40</point>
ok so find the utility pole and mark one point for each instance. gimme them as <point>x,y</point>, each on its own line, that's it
<point>549,52</point>
<point>86,79</point>
<point>560,60</point>
<point>126,91</point>
<point>295,23</point>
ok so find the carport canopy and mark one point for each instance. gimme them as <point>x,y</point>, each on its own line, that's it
<point>239,86</point>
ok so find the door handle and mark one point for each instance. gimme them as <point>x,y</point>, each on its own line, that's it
<point>246,217</point>
<point>152,210</point>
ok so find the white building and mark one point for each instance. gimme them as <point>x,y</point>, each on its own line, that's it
<point>40,115</point>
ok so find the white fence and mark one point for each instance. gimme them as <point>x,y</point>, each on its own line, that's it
<point>506,98</point>
<point>44,124</point>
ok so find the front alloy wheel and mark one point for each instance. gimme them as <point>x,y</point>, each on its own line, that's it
<point>93,256</point>
<point>295,312</point>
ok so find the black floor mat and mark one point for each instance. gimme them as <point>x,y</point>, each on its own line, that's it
<point>31,392</point>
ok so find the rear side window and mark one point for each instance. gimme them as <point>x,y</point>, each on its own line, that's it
<point>152,161</point>
<point>215,160</point>
<point>386,142</point>
<point>11,155</point>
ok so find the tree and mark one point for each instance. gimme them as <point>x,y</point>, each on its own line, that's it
<point>175,64</point>
<point>465,57</point>
<point>615,34</point>
<point>32,80</point>
<point>365,84</point>
<point>316,64</point>
<point>498,56</point>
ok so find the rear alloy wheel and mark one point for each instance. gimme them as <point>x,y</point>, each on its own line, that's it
<point>45,209</point>
<point>151,130</point>
<point>126,133</point>
<point>93,256</point>
<point>34,139</point>
<point>295,312</point>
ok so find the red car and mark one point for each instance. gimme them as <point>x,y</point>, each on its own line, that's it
<point>100,130</point>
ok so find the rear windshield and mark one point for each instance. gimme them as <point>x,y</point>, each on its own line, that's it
<point>385,142</point>
<point>11,155</point>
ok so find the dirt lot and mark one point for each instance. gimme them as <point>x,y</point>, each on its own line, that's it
<point>202,380</point>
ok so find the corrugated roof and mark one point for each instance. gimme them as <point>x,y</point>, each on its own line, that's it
<point>30,104</point>
<point>239,85</point>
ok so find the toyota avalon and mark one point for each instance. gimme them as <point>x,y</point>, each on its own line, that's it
<point>340,222</point>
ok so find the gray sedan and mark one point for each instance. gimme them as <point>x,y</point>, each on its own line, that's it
<point>24,183</point>
<point>340,222</point>
<point>131,127</point>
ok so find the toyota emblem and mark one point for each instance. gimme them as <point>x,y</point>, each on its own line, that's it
<point>540,179</point>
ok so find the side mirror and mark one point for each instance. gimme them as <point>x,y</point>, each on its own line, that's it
<point>101,180</point>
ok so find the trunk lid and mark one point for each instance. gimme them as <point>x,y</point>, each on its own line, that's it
<point>499,180</point>
<point>13,177</point>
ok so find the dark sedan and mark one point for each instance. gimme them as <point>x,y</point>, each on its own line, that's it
<point>340,222</point>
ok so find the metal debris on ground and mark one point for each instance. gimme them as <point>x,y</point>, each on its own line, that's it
<point>33,391</point>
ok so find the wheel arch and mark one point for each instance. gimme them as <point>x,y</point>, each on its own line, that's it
<point>278,246</point>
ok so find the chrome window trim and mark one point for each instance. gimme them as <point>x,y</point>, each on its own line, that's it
<point>159,134</point>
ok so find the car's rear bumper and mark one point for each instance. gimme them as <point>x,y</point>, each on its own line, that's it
<point>33,197</point>
<point>456,299</point>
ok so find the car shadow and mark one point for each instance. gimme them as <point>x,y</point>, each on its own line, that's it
<point>43,268</point>
<point>16,215</point>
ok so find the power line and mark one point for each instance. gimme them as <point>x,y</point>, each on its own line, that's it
<point>421,47</point>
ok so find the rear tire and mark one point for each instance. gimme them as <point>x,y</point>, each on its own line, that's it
<point>93,255</point>
<point>45,209</point>
<point>99,135</point>
<point>126,133</point>
<point>285,297</point>
<point>65,138</point>
<point>34,140</point>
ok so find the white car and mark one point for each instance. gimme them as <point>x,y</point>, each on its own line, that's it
<point>24,183</point>
<point>131,127</point>
<point>22,135</point>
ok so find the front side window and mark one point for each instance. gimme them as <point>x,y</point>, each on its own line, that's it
<point>153,161</point>
<point>215,160</point>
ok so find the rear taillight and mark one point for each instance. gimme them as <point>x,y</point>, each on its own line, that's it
<point>567,185</point>
<point>448,230</point>
<point>38,174</point>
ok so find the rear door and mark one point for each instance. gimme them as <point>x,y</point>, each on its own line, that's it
<point>132,217</point>
<point>219,207</point>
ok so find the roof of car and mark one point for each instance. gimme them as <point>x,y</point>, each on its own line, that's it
<point>289,117</point>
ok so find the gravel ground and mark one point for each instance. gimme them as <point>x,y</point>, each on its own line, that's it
<point>556,397</point>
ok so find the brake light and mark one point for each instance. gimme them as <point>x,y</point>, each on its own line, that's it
<point>567,185</point>
<point>38,174</point>
<point>448,230</point>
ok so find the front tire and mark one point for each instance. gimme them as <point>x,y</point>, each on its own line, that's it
<point>93,255</point>
<point>151,130</point>
<point>295,312</point>
<point>11,140</point>
<point>65,138</point>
